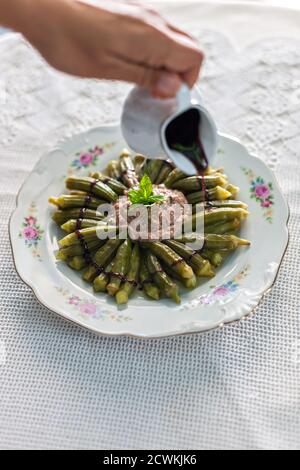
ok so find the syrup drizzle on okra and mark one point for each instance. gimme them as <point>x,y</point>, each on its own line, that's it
<point>158,268</point>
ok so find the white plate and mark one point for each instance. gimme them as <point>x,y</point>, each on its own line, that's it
<point>233,294</point>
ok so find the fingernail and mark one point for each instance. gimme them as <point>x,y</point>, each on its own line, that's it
<point>167,85</point>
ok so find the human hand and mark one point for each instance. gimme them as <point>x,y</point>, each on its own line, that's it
<point>113,40</point>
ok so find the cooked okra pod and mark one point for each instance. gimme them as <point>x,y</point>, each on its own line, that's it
<point>161,279</point>
<point>120,267</point>
<point>153,169</point>
<point>228,203</point>
<point>69,201</point>
<point>78,193</point>
<point>222,229</point>
<point>127,170</point>
<point>88,234</point>
<point>171,259</point>
<point>78,262</point>
<point>101,281</point>
<point>220,215</point>
<point>61,217</point>
<point>91,185</point>
<point>113,169</point>
<point>73,225</point>
<point>234,190</point>
<point>139,165</point>
<point>215,258</point>
<point>187,283</point>
<point>101,258</point>
<point>218,193</point>
<point>200,266</point>
<point>115,185</point>
<point>193,183</point>
<point>148,286</point>
<point>174,176</point>
<point>164,173</point>
<point>215,242</point>
<point>224,242</point>
<point>76,250</point>
<point>132,278</point>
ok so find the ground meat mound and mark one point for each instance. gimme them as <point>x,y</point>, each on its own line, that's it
<point>157,222</point>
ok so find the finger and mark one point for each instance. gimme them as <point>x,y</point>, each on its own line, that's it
<point>167,85</point>
<point>174,52</point>
<point>160,83</point>
<point>177,30</point>
<point>145,8</point>
<point>191,76</point>
<point>186,61</point>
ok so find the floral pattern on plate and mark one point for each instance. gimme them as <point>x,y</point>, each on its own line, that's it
<point>261,192</point>
<point>88,159</point>
<point>31,232</point>
<point>219,293</point>
<point>87,309</point>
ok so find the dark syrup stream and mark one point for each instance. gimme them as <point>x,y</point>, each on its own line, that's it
<point>183,135</point>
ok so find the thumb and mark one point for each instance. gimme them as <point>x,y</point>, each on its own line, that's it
<point>160,83</point>
<point>165,85</point>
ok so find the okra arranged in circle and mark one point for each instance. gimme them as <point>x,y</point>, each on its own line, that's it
<point>91,243</point>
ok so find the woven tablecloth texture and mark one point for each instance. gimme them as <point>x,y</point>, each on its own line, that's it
<point>238,387</point>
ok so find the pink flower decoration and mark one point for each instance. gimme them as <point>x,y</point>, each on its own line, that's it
<point>98,151</point>
<point>262,191</point>
<point>30,233</point>
<point>31,220</point>
<point>74,300</point>
<point>221,291</point>
<point>88,309</point>
<point>266,203</point>
<point>86,159</point>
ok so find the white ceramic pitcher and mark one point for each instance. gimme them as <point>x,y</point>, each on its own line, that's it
<point>145,120</point>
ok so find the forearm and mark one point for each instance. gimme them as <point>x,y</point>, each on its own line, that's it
<point>15,14</point>
<point>25,16</point>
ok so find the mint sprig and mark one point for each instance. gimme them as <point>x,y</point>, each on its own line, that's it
<point>144,195</point>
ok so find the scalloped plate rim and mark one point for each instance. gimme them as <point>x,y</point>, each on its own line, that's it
<point>126,332</point>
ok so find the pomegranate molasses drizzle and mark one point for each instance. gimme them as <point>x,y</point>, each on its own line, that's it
<point>183,135</point>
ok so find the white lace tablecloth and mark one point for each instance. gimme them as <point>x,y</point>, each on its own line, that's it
<point>238,387</point>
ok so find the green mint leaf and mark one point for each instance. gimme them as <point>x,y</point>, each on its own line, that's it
<point>155,198</point>
<point>134,196</point>
<point>146,186</point>
<point>144,195</point>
